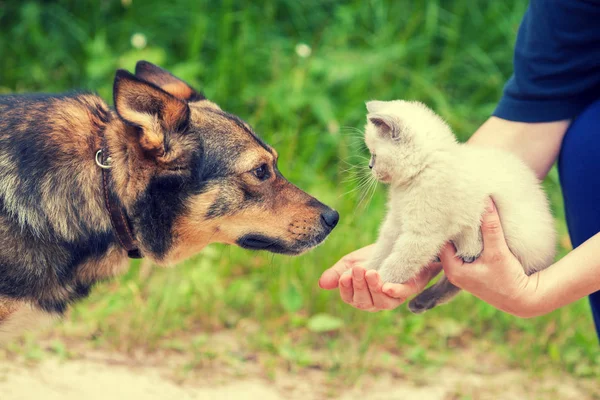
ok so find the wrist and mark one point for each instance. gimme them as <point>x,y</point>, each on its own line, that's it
<point>531,302</point>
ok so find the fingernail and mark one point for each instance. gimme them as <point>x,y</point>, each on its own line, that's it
<point>490,207</point>
<point>346,283</point>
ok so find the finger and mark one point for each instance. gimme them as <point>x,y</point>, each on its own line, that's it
<point>331,277</point>
<point>397,291</point>
<point>381,301</point>
<point>426,275</point>
<point>449,259</point>
<point>491,228</point>
<point>374,284</point>
<point>346,290</point>
<point>362,297</point>
<point>402,291</point>
<point>453,265</point>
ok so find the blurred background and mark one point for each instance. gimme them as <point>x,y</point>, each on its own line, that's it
<point>299,72</point>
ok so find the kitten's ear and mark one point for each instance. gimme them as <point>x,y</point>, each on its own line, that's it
<point>375,106</point>
<point>155,112</point>
<point>166,81</point>
<point>385,125</point>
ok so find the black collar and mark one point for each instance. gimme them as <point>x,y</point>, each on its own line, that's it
<point>118,216</point>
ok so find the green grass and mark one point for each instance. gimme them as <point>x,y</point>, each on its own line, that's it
<point>455,56</point>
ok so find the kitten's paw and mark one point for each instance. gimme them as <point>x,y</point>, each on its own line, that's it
<point>372,265</point>
<point>391,276</point>
<point>386,276</point>
<point>422,303</point>
<point>469,259</point>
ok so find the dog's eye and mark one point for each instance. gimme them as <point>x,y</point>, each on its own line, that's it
<point>262,172</point>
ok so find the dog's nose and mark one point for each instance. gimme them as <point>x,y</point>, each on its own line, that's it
<point>330,218</point>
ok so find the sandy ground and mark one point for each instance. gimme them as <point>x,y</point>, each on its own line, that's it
<point>107,378</point>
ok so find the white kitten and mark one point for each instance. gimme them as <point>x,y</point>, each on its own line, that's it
<point>438,191</point>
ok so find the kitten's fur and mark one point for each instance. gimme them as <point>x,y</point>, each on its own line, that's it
<point>438,190</point>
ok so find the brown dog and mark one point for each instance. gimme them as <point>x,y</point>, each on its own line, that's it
<point>82,187</point>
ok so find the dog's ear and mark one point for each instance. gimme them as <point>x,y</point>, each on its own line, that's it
<point>166,81</point>
<point>155,112</point>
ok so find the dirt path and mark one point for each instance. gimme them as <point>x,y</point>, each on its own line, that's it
<point>100,380</point>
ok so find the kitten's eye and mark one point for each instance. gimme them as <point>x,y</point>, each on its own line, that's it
<point>261,172</point>
<point>372,161</point>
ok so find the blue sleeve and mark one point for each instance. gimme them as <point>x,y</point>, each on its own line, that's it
<point>556,62</point>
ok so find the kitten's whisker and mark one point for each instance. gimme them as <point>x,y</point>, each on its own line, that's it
<point>365,194</point>
<point>347,193</point>
<point>354,157</point>
<point>373,192</point>
<point>356,174</point>
<point>363,182</point>
<point>353,174</point>
<point>369,195</point>
<point>361,186</point>
<point>352,179</point>
<point>356,168</point>
<point>351,130</point>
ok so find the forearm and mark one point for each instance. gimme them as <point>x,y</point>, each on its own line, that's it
<point>537,144</point>
<point>574,276</point>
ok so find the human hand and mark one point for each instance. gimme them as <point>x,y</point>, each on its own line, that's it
<point>364,289</point>
<point>496,277</point>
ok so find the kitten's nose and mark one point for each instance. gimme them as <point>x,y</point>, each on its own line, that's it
<point>371,162</point>
<point>330,218</point>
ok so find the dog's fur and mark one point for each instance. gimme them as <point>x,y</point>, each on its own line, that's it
<point>186,172</point>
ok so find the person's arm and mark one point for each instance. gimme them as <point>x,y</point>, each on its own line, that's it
<point>537,144</point>
<point>497,277</point>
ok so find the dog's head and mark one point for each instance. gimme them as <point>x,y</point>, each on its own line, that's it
<point>190,174</point>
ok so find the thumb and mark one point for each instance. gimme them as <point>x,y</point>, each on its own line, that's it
<point>491,228</point>
<point>330,277</point>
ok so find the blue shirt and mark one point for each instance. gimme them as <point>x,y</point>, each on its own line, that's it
<point>556,62</point>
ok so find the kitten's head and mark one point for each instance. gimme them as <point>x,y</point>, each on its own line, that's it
<point>402,136</point>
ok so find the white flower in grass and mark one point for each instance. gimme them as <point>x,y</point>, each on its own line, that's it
<point>333,127</point>
<point>303,50</point>
<point>138,40</point>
